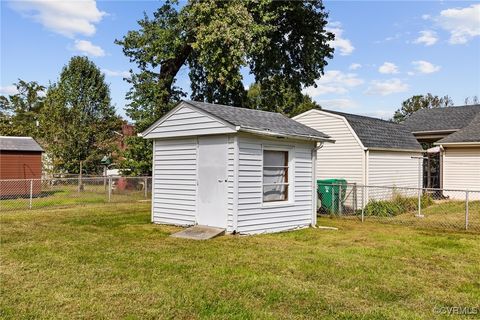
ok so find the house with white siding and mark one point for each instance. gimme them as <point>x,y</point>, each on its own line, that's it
<point>452,135</point>
<point>367,151</point>
<point>247,171</point>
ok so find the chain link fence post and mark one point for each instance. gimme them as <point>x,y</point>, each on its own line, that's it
<point>31,194</point>
<point>145,186</point>
<point>109,189</point>
<point>363,203</point>
<point>466,210</point>
<point>339,199</point>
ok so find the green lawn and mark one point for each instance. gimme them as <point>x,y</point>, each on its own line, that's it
<point>60,196</point>
<point>446,215</point>
<point>109,261</point>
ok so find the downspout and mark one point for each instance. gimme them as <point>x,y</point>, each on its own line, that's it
<point>367,164</point>
<point>314,182</point>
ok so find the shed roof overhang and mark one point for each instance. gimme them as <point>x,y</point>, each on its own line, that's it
<point>147,134</point>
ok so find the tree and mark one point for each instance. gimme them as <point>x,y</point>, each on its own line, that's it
<point>137,157</point>
<point>20,112</point>
<point>78,119</point>
<point>471,100</point>
<point>285,100</point>
<point>418,102</point>
<point>279,42</point>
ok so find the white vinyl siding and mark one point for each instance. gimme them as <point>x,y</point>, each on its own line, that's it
<point>461,170</point>
<point>187,121</point>
<point>253,215</point>
<point>175,181</point>
<point>392,169</point>
<point>342,159</point>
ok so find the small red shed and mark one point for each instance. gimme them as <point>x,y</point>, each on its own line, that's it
<point>20,158</point>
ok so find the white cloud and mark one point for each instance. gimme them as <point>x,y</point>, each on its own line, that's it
<point>8,90</point>
<point>388,68</point>
<point>423,66</point>
<point>88,48</point>
<point>355,66</point>
<point>337,104</point>
<point>427,37</point>
<point>386,87</point>
<point>333,81</point>
<point>426,16</point>
<point>344,45</point>
<point>67,18</point>
<point>462,23</point>
<point>115,73</point>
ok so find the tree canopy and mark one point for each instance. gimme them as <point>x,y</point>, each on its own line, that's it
<point>78,120</point>
<point>283,44</point>
<point>19,112</point>
<point>418,102</point>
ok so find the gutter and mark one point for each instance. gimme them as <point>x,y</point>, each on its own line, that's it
<point>456,143</point>
<point>392,149</point>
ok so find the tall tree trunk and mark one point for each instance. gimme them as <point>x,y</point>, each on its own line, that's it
<point>168,71</point>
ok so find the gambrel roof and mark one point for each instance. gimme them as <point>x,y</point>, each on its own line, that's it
<point>252,121</point>
<point>380,134</point>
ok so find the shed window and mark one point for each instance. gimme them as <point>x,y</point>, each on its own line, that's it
<point>275,175</point>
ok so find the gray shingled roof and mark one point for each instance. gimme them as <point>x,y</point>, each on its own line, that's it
<point>259,120</point>
<point>470,133</point>
<point>381,134</point>
<point>442,119</point>
<point>19,144</point>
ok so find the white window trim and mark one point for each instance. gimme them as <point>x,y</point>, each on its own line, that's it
<point>291,175</point>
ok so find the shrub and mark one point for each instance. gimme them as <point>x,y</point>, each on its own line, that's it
<point>398,205</point>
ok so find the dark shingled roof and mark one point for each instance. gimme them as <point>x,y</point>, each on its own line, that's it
<point>470,133</point>
<point>381,134</point>
<point>259,120</point>
<point>442,119</point>
<point>19,144</point>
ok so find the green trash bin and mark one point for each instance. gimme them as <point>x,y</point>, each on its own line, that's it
<point>331,194</point>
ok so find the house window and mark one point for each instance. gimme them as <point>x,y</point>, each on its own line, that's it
<point>275,176</point>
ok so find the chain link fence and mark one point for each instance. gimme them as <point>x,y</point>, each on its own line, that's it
<point>56,192</point>
<point>430,208</point>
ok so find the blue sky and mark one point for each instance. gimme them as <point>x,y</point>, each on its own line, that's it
<point>386,51</point>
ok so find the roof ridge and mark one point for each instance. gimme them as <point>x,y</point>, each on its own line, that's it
<point>233,107</point>
<point>360,116</point>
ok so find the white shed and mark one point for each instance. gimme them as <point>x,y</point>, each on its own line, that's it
<point>244,170</point>
<point>367,151</point>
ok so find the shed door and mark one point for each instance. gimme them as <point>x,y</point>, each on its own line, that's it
<point>212,181</point>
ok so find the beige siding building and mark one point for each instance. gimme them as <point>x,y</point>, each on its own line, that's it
<point>367,151</point>
<point>456,133</point>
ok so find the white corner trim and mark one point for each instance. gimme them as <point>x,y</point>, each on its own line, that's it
<point>153,183</point>
<point>236,161</point>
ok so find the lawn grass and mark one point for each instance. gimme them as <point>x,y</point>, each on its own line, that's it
<point>61,196</point>
<point>109,261</point>
<point>446,215</point>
